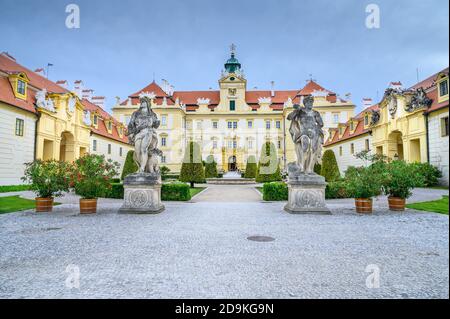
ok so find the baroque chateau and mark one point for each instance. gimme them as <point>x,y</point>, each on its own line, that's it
<point>231,123</point>
<point>48,120</point>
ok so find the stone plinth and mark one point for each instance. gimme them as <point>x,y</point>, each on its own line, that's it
<point>306,193</point>
<point>142,194</point>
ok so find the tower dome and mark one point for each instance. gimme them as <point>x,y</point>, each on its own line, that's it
<point>232,65</point>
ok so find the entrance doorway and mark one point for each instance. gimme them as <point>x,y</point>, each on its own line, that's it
<point>232,165</point>
<point>395,147</point>
<point>67,147</point>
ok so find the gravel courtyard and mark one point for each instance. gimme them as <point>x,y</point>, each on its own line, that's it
<point>200,250</point>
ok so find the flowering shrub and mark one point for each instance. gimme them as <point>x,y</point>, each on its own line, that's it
<point>92,175</point>
<point>401,179</point>
<point>47,178</point>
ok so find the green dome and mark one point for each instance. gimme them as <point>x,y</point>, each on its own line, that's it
<point>232,64</point>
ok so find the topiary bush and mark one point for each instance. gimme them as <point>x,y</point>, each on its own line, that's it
<point>268,169</point>
<point>430,174</point>
<point>210,167</point>
<point>251,167</point>
<point>192,170</point>
<point>275,191</point>
<point>175,192</point>
<point>330,168</point>
<point>318,168</point>
<point>130,166</point>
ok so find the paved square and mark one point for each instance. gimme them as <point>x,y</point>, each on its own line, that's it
<point>200,250</point>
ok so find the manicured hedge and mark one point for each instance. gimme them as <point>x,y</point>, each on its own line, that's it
<point>175,192</point>
<point>14,188</point>
<point>169,192</point>
<point>170,176</point>
<point>268,169</point>
<point>130,166</point>
<point>336,189</point>
<point>116,191</point>
<point>250,169</point>
<point>278,191</point>
<point>275,191</point>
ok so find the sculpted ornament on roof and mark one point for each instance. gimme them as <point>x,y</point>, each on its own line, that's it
<point>390,95</point>
<point>375,118</point>
<point>43,102</point>
<point>264,100</point>
<point>150,95</point>
<point>87,118</point>
<point>417,99</point>
<point>203,100</point>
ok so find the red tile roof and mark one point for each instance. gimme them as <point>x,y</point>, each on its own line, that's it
<point>10,66</point>
<point>102,130</point>
<point>7,65</point>
<point>189,98</point>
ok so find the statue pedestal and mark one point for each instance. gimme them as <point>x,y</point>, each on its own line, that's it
<point>306,193</point>
<point>142,194</point>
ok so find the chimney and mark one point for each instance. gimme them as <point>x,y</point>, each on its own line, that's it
<point>272,88</point>
<point>367,102</point>
<point>396,85</point>
<point>78,88</point>
<point>62,83</point>
<point>87,94</point>
<point>99,101</point>
<point>40,71</point>
<point>165,86</point>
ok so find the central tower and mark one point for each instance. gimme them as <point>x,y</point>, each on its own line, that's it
<point>232,85</point>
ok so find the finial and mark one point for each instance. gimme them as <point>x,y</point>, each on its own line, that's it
<point>233,49</point>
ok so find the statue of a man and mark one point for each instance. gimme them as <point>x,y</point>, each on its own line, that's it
<point>142,134</point>
<point>307,134</point>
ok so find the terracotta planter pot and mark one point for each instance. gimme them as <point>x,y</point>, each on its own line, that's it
<point>44,204</point>
<point>88,206</point>
<point>363,205</point>
<point>396,203</point>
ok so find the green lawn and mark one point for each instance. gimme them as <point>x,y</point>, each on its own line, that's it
<point>437,206</point>
<point>11,204</point>
<point>194,191</point>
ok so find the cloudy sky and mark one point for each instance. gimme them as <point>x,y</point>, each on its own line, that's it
<point>122,45</point>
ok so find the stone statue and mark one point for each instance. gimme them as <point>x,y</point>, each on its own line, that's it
<point>306,188</point>
<point>142,190</point>
<point>307,135</point>
<point>142,134</point>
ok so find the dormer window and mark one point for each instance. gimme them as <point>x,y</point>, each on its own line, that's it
<point>366,120</point>
<point>19,82</point>
<point>352,126</point>
<point>21,87</point>
<point>109,126</point>
<point>443,88</point>
<point>95,120</point>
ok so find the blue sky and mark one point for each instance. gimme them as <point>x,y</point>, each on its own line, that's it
<point>121,45</point>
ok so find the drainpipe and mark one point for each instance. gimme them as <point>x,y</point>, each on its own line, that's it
<point>284,142</point>
<point>38,116</point>
<point>427,136</point>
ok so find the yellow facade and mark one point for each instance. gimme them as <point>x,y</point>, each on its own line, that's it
<point>62,135</point>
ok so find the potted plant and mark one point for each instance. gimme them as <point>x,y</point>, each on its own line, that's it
<point>400,181</point>
<point>48,179</point>
<point>92,176</point>
<point>364,183</point>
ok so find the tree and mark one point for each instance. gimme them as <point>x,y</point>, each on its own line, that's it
<point>192,170</point>
<point>330,168</point>
<point>251,167</point>
<point>210,167</point>
<point>268,169</point>
<point>130,165</point>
